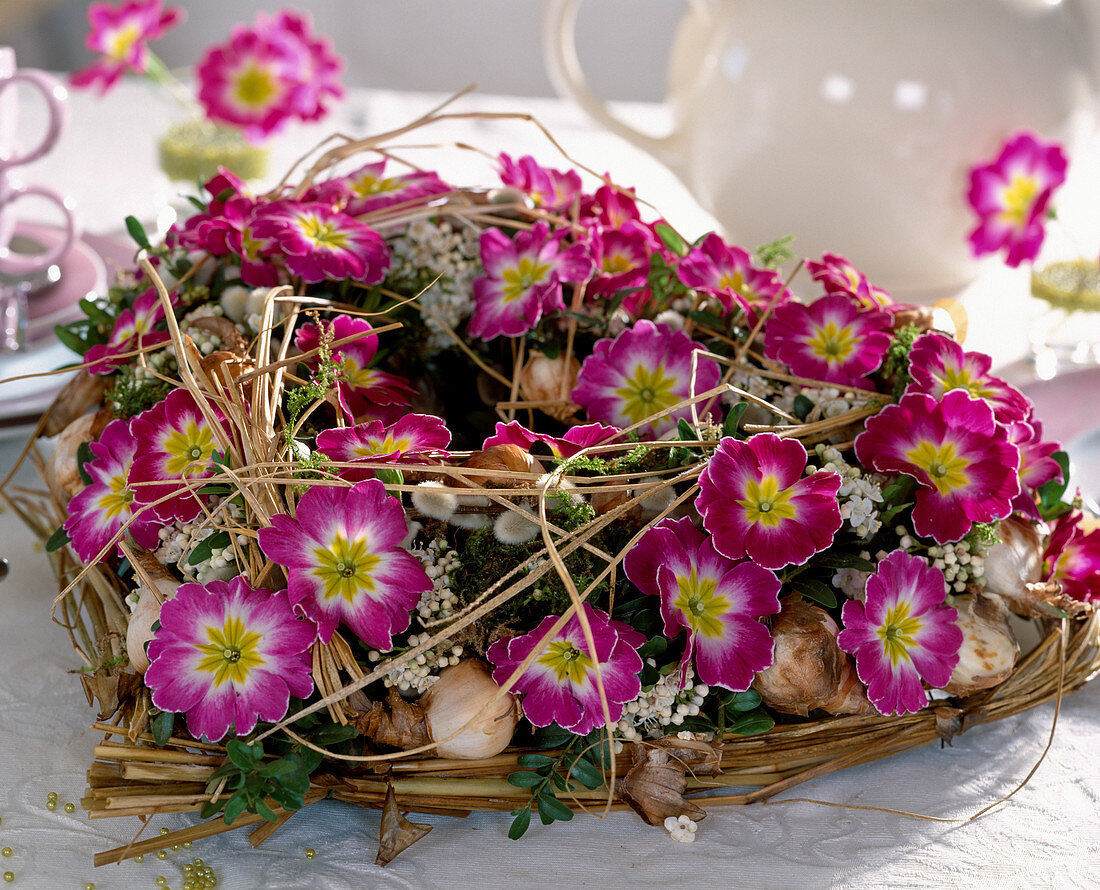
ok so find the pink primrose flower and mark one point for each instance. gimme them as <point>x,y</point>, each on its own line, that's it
<point>643,371</point>
<point>622,261</point>
<point>757,504</point>
<point>615,207</point>
<point>962,458</point>
<point>838,276</point>
<point>1011,195</point>
<point>575,439</point>
<point>559,686</point>
<point>718,601</point>
<point>345,561</point>
<point>133,330</point>
<point>317,242</point>
<point>726,272</point>
<point>832,339</point>
<point>902,634</point>
<point>176,453</point>
<point>938,365</point>
<point>1072,558</point>
<point>1037,466</point>
<point>415,438</point>
<point>268,74</point>
<point>362,387</point>
<point>549,189</point>
<point>227,656</point>
<point>120,34</point>
<point>523,279</point>
<point>100,511</point>
<point>368,189</point>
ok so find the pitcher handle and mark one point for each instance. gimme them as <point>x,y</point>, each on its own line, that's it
<point>560,53</point>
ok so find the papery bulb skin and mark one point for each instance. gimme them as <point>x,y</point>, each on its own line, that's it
<point>989,650</point>
<point>1015,562</point>
<point>455,699</point>
<point>810,671</point>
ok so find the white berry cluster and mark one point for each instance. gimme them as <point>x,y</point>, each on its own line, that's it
<point>860,494</point>
<point>681,828</point>
<point>439,560</point>
<point>961,562</point>
<point>661,705</point>
<point>179,539</point>
<point>444,258</point>
<point>420,673</point>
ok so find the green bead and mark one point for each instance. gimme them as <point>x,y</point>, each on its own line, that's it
<point>198,863</point>
<point>161,881</point>
<point>6,852</point>
<point>186,845</point>
<point>164,831</point>
<point>188,868</point>
<point>51,796</point>
<point>51,805</point>
<point>70,808</point>
<point>9,876</point>
<point>162,854</point>
<point>139,859</point>
<point>310,852</point>
<point>89,886</point>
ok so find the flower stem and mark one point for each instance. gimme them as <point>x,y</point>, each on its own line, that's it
<point>159,73</point>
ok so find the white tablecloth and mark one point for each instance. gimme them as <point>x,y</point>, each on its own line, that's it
<point>1047,836</point>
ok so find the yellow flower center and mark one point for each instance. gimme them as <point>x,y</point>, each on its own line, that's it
<point>117,500</point>
<point>833,344</point>
<point>566,660</point>
<point>647,392</point>
<point>385,446</point>
<point>321,233</point>
<point>520,279</point>
<point>120,42</point>
<point>367,185</point>
<point>189,449</point>
<point>615,263</point>
<point>1018,197</point>
<point>898,632</point>
<point>765,502</point>
<point>733,280</point>
<point>699,603</point>
<point>346,567</point>
<point>254,87</point>
<point>232,652</point>
<point>357,376</point>
<point>943,464</point>
<point>959,378</point>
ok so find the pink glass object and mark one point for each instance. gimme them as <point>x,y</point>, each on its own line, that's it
<point>11,156</point>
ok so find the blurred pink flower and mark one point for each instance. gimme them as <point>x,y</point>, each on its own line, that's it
<point>268,74</point>
<point>1011,196</point>
<point>1072,558</point>
<point>120,35</point>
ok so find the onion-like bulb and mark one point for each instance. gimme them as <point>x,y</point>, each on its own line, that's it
<point>1015,562</point>
<point>989,650</point>
<point>455,699</point>
<point>810,671</point>
<point>147,612</point>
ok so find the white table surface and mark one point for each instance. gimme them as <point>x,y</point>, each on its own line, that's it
<point>1047,836</point>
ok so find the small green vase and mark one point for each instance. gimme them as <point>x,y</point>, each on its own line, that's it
<point>193,150</point>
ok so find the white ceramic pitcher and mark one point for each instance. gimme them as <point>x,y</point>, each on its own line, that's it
<point>851,123</point>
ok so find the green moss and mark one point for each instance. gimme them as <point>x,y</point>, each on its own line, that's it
<point>896,364</point>
<point>131,395</point>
